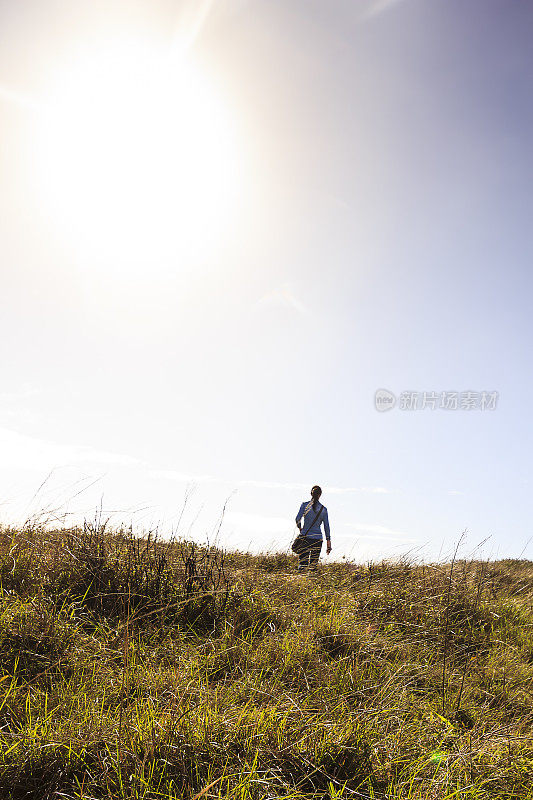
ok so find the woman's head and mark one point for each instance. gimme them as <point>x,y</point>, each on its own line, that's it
<point>316,491</point>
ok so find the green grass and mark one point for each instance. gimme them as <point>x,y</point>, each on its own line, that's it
<point>138,668</point>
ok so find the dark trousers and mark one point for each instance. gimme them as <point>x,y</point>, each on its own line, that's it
<point>310,555</point>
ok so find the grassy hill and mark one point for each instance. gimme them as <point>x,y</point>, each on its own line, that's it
<point>138,668</point>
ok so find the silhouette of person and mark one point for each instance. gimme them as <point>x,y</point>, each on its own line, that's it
<point>314,514</point>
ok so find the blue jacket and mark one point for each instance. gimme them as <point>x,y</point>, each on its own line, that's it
<point>314,531</point>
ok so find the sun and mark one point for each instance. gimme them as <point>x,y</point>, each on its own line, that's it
<point>138,159</point>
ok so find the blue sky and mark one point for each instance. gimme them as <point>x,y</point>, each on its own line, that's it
<point>371,230</point>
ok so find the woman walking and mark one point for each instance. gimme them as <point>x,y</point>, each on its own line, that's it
<point>314,514</point>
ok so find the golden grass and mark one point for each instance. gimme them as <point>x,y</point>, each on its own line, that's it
<point>138,668</point>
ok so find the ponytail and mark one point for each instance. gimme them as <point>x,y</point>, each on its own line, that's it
<point>316,491</point>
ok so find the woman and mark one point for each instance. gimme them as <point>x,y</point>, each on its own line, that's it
<point>314,514</point>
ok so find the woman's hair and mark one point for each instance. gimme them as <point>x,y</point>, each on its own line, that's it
<point>316,491</point>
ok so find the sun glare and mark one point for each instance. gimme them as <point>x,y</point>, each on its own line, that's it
<point>138,162</point>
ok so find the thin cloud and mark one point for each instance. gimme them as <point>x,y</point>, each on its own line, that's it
<point>283,296</point>
<point>389,539</point>
<point>18,98</point>
<point>256,523</point>
<point>379,7</point>
<point>26,390</point>
<point>375,529</point>
<point>365,489</point>
<point>182,477</point>
<point>19,451</point>
<point>304,487</point>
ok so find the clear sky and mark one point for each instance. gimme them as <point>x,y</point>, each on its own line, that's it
<point>224,225</point>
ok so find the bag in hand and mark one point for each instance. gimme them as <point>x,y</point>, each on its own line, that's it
<point>300,544</point>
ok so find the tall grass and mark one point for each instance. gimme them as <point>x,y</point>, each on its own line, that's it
<point>140,668</point>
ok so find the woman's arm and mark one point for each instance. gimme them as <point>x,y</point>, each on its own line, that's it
<point>299,516</point>
<point>327,531</point>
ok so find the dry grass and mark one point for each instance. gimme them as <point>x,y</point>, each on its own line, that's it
<point>138,668</point>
